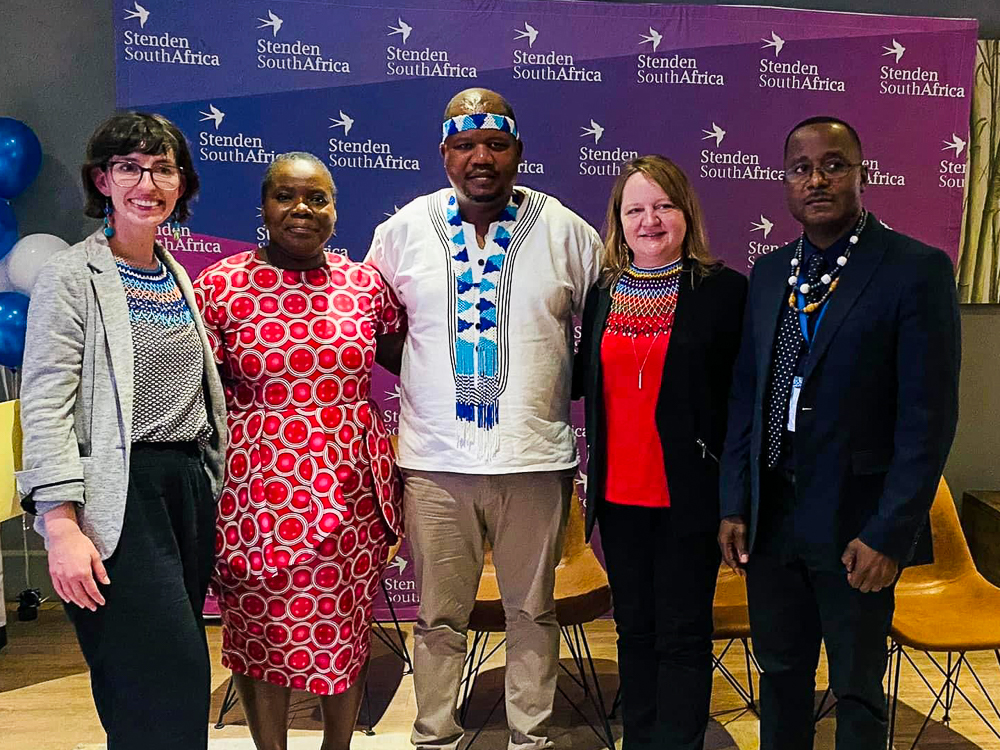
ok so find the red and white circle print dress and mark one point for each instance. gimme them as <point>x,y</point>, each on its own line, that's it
<point>311,485</point>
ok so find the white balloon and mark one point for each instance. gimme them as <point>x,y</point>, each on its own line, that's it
<point>26,258</point>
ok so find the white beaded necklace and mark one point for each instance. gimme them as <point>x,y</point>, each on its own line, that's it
<point>830,279</point>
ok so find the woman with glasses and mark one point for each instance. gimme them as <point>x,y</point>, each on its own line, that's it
<point>123,417</point>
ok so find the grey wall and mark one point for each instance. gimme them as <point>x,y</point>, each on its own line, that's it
<point>58,76</point>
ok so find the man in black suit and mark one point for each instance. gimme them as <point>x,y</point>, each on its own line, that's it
<point>843,408</point>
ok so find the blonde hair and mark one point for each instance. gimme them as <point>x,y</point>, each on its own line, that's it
<point>663,172</point>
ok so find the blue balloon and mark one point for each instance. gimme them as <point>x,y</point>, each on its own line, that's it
<point>8,228</point>
<point>20,157</point>
<point>13,320</point>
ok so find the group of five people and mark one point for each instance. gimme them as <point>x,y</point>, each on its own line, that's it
<point>794,427</point>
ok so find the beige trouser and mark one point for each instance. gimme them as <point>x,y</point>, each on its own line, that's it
<point>448,517</point>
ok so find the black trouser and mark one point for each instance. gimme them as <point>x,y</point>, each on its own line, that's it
<point>794,604</point>
<point>146,648</point>
<point>663,586</point>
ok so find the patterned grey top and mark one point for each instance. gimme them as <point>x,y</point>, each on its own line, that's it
<point>168,404</point>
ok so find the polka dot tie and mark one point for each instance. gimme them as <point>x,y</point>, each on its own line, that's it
<point>790,348</point>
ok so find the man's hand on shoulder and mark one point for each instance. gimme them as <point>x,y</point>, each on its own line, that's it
<point>868,570</point>
<point>733,542</point>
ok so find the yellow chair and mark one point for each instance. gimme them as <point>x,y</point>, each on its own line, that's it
<point>732,624</point>
<point>947,607</point>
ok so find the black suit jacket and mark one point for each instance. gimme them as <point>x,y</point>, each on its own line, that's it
<point>693,395</point>
<point>879,402</point>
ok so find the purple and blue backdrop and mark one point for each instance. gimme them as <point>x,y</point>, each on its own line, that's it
<point>593,84</point>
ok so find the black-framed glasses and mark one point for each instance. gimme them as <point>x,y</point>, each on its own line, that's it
<point>831,169</point>
<point>128,174</point>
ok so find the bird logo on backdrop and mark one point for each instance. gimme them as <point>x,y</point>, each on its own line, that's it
<point>403,30</point>
<point>595,130</point>
<point>141,13</point>
<point>716,132</point>
<point>765,226</point>
<point>654,37</point>
<point>530,33</point>
<point>775,42</point>
<point>895,50</point>
<point>272,21</point>
<point>955,143</point>
<point>214,114</point>
<point>344,122</point>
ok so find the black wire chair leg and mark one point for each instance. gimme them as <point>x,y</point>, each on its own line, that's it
<point>616,702</point>
<point>602,710</point>
<point>894,689</point>
<point>228,701</point>
<point>403,652</point>
<point>746,653</point>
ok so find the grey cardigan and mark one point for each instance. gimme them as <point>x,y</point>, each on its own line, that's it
<point>77,389</point>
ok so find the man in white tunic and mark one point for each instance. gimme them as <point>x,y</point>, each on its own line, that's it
<point>491,276</point>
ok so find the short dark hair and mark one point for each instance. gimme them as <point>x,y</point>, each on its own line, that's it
<point>825,120</point>
<point>265,185</point>
<point>137,132</point>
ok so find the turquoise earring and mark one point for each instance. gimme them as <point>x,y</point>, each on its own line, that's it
<point>109,231</point>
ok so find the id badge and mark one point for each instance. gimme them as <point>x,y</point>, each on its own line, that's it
<point>793,401</point>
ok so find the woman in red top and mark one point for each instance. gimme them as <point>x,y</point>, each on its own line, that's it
<point>311,496</point>
<point>661,329</point>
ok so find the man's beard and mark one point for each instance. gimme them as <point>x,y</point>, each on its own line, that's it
<point>491,198</point>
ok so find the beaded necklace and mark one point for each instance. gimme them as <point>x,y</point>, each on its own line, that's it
<point>643,303</point>
<point>644,300</point>
<point>830,280</point>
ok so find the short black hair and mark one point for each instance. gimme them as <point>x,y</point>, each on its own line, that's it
<point>825,120</point>
<point>137,132</point>
<point>265,185</point>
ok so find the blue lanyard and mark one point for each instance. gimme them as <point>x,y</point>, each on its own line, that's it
<point>804,319</point>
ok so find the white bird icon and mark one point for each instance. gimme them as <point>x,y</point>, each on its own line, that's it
<point>595,130</point>
<point>775,41</point>
<point>956,143</point>
<point>403,29</point>
<point>654,36</point>
<point>716,132</point>
<point>344,122</point>
<point>530,33</point>
<point>399,563</point>
<point>272,20</point>
<point>581,479</point>
<point>141,13</point>
<point>213,114</point>
<point>766,225</point>
<point>394,393</point>
<point>896,49</point>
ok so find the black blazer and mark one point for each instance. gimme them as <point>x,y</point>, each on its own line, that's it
<point>879,401</point>
<point>694,388</point>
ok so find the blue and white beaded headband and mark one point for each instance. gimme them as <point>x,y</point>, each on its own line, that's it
<point>484,121</point>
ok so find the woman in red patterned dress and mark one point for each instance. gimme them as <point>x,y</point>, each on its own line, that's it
<point>311,500</point>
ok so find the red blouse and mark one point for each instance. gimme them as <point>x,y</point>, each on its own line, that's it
<point>635,472</point>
